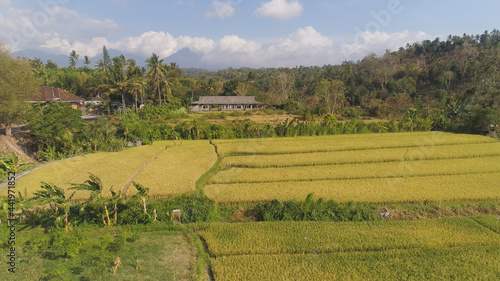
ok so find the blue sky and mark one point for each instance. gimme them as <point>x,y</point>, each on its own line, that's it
<point>240,32</point>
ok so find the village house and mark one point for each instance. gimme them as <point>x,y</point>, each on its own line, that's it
<point>226,103</point>
<point>51,94</point>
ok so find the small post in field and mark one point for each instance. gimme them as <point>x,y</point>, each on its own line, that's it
<point>176,216</point>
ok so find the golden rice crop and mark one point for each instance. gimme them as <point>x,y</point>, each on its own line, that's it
<point>480,186</point>
<point>342,143</point>
<point>261,238</point>
<point>356,171</point>
<point>463,263</point>
<point>113,168</point>
<point>365,156</point>
<point>176,170</point>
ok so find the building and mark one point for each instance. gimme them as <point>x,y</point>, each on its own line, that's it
<point>51,94</point>
<point>229,103</point>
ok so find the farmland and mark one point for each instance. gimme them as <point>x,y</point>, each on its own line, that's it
<point>402,167</point>
<point>160,166</point>
<point>436,249</point>
<point>368,172</point>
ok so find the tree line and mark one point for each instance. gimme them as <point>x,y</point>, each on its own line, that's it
<point>454,81</point>
<point>450,85</point>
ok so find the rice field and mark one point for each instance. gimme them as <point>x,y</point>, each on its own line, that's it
<point>429,249</point>
<point>462,263</point>
<point>489,164</point>
<point>228,239</point>
<point>268,146</point>
<point>400,167</point>
<point>164,168</point>
<point>177,171</point>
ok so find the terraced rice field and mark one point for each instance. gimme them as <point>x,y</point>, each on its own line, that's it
<point>164,168</point>
<point>459,248</point>
<point>401,167</point>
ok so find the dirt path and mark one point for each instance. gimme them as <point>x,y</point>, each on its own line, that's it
<point>131,179</point>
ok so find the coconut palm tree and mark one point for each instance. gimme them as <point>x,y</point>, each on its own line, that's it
<point>86,61</point>
<point>136,86</point>
<point>100,65</point>
<point>156,72</point>
<point>73,58</point>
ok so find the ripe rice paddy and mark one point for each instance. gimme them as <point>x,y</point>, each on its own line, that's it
<point>459,248</point>
<point>164,168</point>
<point>400,167</point>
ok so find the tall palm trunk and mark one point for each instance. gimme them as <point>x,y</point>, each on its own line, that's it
<point>123,103</point>
<point>136,102</point>
<point>159,92</point>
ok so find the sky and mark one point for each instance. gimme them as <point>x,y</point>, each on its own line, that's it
<point>240,33</point>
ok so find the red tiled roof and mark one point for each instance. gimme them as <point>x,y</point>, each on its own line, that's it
<point>51,94</point>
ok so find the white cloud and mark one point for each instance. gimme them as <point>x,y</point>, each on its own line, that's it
<point>30,29</point>
<point>163,44</point>
<point>378,42</point>
<point>235,44</point>
<point>304,46</point>
<point>220,10</point>
<point>280,9</point>
<point>5,2</point>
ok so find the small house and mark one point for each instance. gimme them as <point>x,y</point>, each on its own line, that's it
<point>226,103</point>
<point>51,94</point>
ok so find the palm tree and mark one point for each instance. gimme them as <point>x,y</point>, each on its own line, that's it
<point>136,86</point>
<point>101,65</point>
<point>73,58</point>
<point>86,61</point>
<point>118,78</point>
<point>52,194</point>
<point>121,87</point>
<point>156,71</point>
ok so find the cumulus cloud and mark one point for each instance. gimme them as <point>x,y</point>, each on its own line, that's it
<point>304,46</point>
<point>378,42</point>
<point>163,44</point>
<point>280,9</point>
<point>221,9</point>
<point>29,29</point>
<point>234,44</point>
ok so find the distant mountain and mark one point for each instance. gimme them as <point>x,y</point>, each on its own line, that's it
<point>184,58</point>
<point>63,61</point>
<point>60,60</point>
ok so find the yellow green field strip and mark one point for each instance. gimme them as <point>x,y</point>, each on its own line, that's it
<point>365,156</point>
<point>463,263</point>
<point>113,168</point>
<point>359,171</point>
<point>224,239</point>
<point>176,170</point>
<point>481,186</point>
<point>343,143</point>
